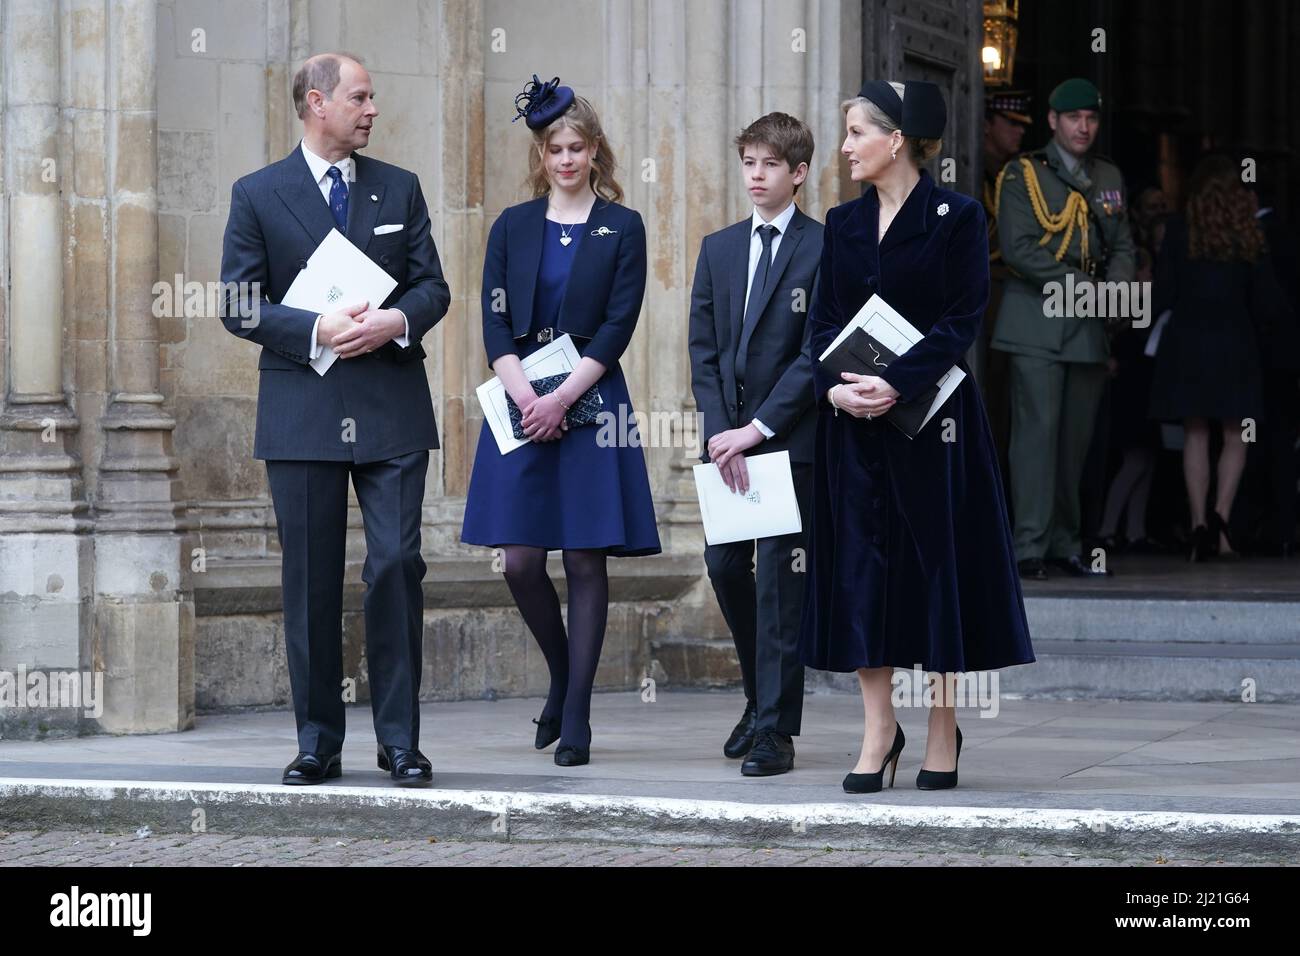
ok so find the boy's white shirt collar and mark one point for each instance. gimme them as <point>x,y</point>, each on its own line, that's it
<point>782,220</point>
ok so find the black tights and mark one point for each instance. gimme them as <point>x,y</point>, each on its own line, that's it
<point>571,659</point>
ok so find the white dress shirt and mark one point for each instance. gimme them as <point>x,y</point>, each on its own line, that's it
<point>320,172</point>
<point>782,223</point>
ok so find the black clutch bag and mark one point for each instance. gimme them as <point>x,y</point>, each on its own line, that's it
<point>864,355</point>
<point>582,412</point>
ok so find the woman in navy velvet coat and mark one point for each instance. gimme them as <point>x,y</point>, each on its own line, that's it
<point>910,551</point>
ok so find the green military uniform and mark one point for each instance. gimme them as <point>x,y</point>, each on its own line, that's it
<point>1058,368</point>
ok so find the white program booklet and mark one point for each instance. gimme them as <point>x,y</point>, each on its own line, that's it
<point>338,275</point>
<point>768,509</point>
<point>555,358</point>
<point>879,320</point>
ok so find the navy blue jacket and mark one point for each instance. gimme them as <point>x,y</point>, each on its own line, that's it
<point>778,372</point>
<point>368,408</point>
<point>602,300</point>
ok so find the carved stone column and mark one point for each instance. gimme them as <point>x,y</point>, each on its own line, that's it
<point>44,551</point>
<point>144,611</point>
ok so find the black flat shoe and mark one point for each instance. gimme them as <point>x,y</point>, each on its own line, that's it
<point>772,753</point>
<point>572,755</point>
<point>742,737</point>
<point>873,782</point>
<point>548,731</point>
<point>940,779</point>
<point>1032,569</point>
<point>309,768</point>
<point>1074,566</point>
<point>410,768</point>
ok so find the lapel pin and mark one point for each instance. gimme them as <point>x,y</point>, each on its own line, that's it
<point>943,209</point>
<point>374,198</point>
<point>604,231</point>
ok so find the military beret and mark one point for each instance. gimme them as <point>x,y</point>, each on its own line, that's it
<point>541,104</point>
<point>920,112</point>
<point>1015,105</point>
<point>1075,94</point>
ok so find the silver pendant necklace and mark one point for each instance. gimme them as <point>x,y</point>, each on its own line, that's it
<point>565,238</point>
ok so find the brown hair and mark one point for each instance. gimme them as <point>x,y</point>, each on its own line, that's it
<point>1221,221</point>
<point>320,72</point>
<point>787,137</point>
<point>582,119</point>
<point>920,150</point>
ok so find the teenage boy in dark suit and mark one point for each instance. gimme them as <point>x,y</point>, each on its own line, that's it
<point>752,380</point>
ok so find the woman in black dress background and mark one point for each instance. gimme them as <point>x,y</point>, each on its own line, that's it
<point>1209,273</point>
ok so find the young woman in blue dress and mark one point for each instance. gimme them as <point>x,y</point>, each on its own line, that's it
<point>570,261</point>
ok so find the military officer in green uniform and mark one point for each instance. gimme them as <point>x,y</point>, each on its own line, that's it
<point>1061,213</point>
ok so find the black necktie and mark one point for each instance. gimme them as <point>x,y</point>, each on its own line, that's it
<point>338,198</point>
<point>766,233</point>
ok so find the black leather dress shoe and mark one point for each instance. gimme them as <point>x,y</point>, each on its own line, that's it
<point>742,737</point>
<point>410,768</point>
<point>308,768</point>
<point>1032,569</point>
<point>1074,566</point>
<point>773,753</point>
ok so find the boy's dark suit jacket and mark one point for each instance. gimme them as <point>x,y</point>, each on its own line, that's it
<point>277,219</point>
<point>606,285</point>
<point>778,373</point>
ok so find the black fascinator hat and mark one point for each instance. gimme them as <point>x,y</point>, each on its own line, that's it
<point>920,112</point>
<point>540,104</point>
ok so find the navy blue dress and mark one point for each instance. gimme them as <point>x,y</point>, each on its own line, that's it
<point>571,492</point>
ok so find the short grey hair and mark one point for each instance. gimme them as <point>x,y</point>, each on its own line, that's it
<point>320,72</point>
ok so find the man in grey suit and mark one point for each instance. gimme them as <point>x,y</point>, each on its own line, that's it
<point>752,377</point>
<point>369,417</point>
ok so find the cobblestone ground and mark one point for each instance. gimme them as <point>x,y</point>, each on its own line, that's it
<point>67,848</point>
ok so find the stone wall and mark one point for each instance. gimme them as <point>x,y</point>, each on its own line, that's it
<point>136,533</point>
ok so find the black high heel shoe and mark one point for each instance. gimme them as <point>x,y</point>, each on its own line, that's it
<point>1202,544</point>
<point>940,779</point>
<point>1220,527</point>
<point>548,732</point>
<point>872,782</point>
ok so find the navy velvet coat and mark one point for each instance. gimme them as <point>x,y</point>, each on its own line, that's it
<point>910,557</point>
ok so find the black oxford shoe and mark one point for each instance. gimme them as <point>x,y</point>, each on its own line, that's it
<point>1032,569</point>
<point>773,753</point>
<point>742,737</point>
<point>308,768</point>
<point>410,768</point>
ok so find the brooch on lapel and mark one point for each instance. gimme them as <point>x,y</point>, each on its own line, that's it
<point>943,209</point>
<point>604,231</point>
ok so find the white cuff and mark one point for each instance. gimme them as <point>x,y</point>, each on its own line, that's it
<point>767,432</point>
<point>403,340</point>
<point>315,346</point>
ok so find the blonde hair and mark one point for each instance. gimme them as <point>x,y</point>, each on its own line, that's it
<point>919,150</point>
<point>582,119</point>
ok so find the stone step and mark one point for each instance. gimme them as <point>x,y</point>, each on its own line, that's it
<point>1124,648</point>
